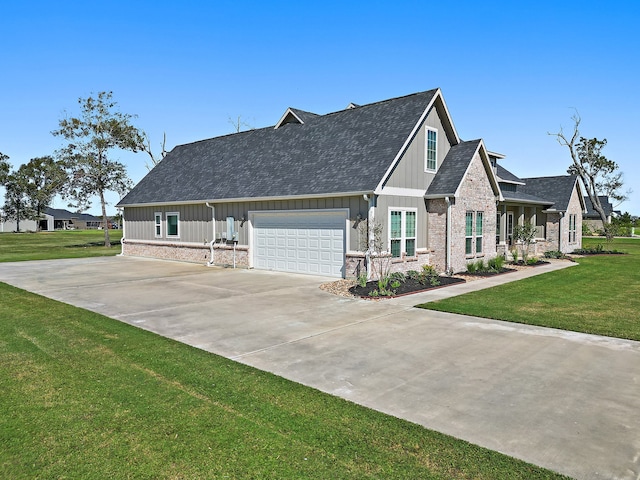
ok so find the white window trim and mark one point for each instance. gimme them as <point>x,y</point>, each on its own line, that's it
<point>467,237</point>
<point>167,215</point>
<point>476,236</point>
<point>426,149</point>
<point>156,224</point>
<point>403,225</point>
<point>573,233</point>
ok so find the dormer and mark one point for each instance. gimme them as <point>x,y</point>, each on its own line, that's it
<point>293,115</point>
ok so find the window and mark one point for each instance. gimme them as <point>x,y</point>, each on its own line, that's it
<point>473,237</point>
<point>158,224</point>
<point>572,228</point>
<point>468,233</point>
<point>498,221</point>
<point>431,156</point>
<point>173,221</point>
<point>479,232</point>
<point>509,227</point>
<point>402,233</point>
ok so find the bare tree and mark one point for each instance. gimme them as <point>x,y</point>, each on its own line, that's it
<point>599,175</point>
<point>239,123</point>
<point>155,160</point>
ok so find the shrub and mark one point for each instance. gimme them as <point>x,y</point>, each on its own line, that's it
<point>471,267</point>
<point>413,274</point>
<point>514,255</point>
<point>398,276</point>
<point>532,261</point>
<point>553,254</point>
<point>428,275</point>
<point>496,264</point>
<point>362,280</point>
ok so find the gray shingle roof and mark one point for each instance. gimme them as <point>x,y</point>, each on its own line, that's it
<point>557,190</point>
<point>304,116</point>
<point>60,213</point>
<point>524,198</point>
<point>453,168</point>
<point>505,175</point>
<point>604,201</point>
<point>345,151</point>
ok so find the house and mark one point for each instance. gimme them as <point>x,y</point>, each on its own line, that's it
<point>555,205</point>
<point>315,193</point>
<point>592,220</point>
<point>61,219</point>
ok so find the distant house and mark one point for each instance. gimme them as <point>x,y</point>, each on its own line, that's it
<point>592,219</point>
<point>54,219</point>
<point>61,219</point>
<point>309,194</point>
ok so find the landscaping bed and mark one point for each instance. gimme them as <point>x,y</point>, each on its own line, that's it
<point>406,287</point>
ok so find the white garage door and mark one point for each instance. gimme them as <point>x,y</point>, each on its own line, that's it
<point>300,242</point>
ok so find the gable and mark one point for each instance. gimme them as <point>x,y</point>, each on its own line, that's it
<point>455,168</point>
<point>558,190</point>
<point>410,172</point>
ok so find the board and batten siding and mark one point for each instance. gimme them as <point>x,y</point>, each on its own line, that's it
<point>409,172</point>
<point>237,210</point>
<point>385,202</point>
<point>195,223</point>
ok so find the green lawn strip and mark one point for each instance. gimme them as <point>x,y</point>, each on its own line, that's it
<point>85,396</point>
<point>601,296</point>
<point>18,247</point>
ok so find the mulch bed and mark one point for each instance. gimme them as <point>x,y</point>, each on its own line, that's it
<point>405,288</point>
<point>488,274</point>
<point>521,263</point>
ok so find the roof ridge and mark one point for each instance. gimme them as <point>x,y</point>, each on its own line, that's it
<point>359,107</point>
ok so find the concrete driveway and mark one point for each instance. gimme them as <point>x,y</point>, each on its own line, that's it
<point>566,401</point>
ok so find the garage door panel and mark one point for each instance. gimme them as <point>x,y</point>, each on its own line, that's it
<point>305,243</point>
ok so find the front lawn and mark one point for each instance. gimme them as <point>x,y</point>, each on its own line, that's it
<point>601,295</point>
<point>18,247</point>
<point>85,396</point>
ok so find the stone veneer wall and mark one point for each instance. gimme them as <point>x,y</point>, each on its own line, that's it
<point>475,195</point>
<point>437,213</point>
<point>222,254</point>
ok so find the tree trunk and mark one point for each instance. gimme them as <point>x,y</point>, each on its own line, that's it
<point>105,222</point>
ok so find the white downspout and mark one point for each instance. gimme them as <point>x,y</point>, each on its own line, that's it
<point>213,237</point>
<point>448,241</point>
<point>371,216</point>
<point>121,254</point>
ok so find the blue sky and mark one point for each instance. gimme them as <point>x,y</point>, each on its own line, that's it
<point>510,71</point>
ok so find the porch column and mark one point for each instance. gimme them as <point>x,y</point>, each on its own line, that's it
<point>520,220</point>
<point>503,225</point>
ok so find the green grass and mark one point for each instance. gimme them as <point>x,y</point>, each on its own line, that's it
<point>601,295</point>
<point>18,247</point>
<point>85,396</point>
